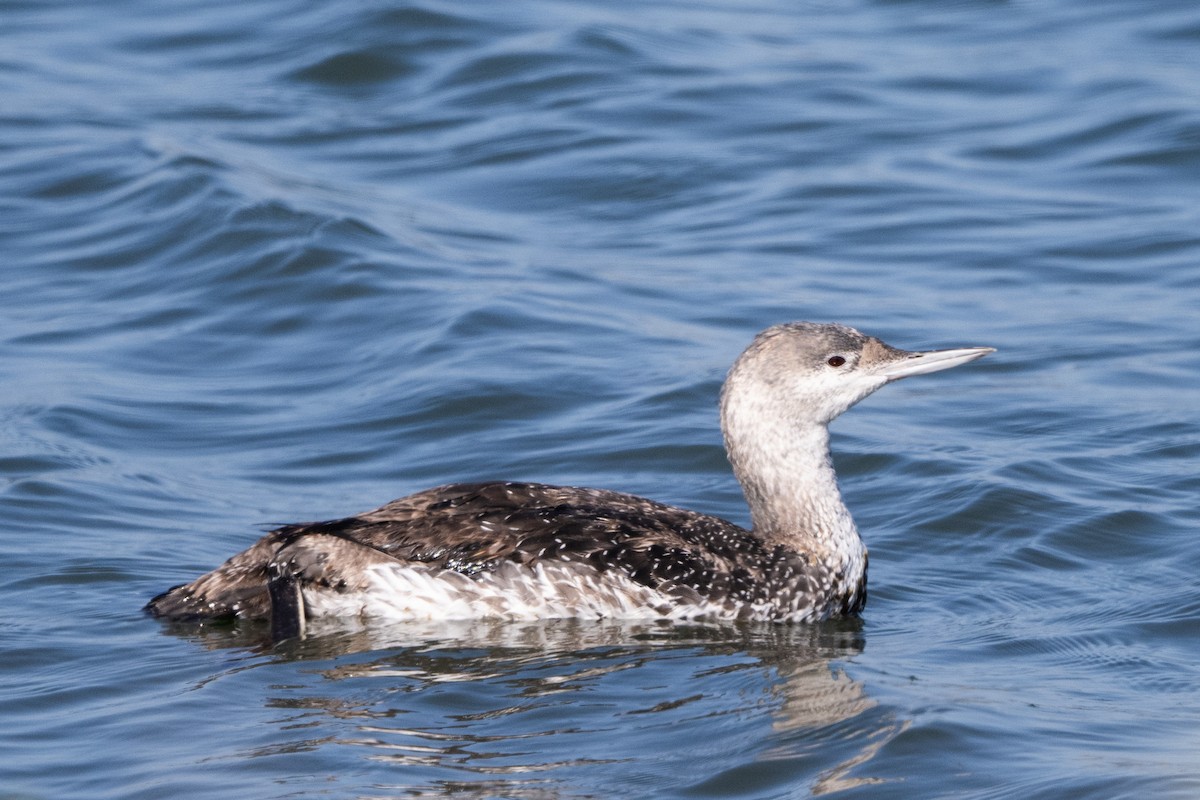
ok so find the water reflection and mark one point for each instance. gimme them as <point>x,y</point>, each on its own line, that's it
<point>488,708</point>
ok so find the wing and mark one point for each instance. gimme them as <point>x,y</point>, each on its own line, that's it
<point>472,528</point>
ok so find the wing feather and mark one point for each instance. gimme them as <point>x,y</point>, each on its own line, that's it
<point>472,528</point>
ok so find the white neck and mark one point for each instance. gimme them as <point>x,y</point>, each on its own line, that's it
<point>787,475</point>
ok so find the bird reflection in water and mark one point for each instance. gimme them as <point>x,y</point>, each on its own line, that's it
<point>518,709</point>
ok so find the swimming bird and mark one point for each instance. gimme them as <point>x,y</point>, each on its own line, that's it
<point>530,550</point>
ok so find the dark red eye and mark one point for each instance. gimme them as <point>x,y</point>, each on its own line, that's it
<point>835,361</point>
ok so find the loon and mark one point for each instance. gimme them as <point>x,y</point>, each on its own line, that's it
<point>531,551</point>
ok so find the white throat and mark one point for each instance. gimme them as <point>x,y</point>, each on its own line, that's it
<point>787,475</point>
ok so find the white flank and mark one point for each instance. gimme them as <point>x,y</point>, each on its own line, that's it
<point>515,592</point>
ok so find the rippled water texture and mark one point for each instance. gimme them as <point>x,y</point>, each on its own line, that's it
<point>271,261</point>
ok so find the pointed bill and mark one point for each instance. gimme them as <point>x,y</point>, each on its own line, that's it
<point>907,363</point>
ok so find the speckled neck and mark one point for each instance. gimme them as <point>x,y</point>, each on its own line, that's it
<point>793,493</point>
<point>781,458</point>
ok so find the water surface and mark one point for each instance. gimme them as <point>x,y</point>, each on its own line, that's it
<point>271,261</point>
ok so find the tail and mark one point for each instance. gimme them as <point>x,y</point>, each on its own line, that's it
<point>237,588</point>
<point>206,599</point>
<point>267,580</point>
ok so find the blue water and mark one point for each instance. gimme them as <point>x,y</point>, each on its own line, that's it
<point>273,261</point>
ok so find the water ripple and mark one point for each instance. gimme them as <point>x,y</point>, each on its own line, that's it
<point>267,262</point>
